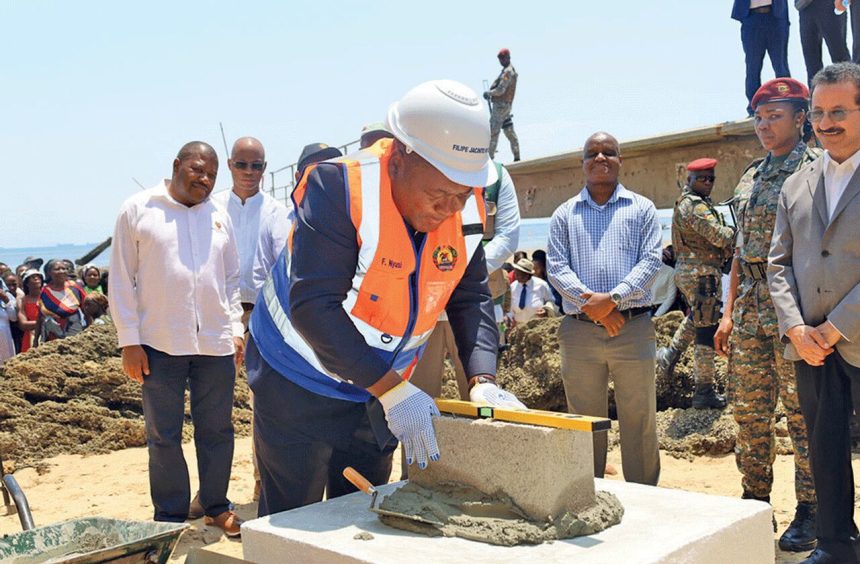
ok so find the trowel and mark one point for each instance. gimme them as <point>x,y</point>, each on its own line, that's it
<point>362,483</point>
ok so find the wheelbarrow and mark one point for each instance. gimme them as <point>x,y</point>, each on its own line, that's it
<point>86,540</point>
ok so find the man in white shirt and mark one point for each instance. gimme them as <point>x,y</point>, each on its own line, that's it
<point>530,296</point>
<point>260,222</point>
<point>261,225</point>
<point>174,298</point>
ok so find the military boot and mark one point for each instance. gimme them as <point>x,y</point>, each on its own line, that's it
<point>667,358</point>
<point>706,397</point>
<point>800,534</point>
<point>766,499</point>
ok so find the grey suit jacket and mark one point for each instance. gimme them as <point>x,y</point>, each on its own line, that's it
<point>814,263</point>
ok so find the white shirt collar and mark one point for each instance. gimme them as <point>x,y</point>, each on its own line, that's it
<point>851,163</point>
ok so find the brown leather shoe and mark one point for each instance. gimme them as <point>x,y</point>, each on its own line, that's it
<point>228,521</point>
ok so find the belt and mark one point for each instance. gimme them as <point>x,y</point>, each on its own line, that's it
<point>628,313</point>
<point>755,270</point>
<point>246,306</point>
<point>761,10</point>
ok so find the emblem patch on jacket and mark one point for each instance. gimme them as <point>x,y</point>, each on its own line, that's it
<point>445,257</point>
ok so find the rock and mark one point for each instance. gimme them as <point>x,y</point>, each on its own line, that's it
<point>71,397</point>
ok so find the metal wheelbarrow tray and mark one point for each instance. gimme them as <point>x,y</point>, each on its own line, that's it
<point>93,539</point>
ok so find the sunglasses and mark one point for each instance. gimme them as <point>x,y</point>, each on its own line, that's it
<point>706,178</point>
<point>835,115</point>
<point>242,165</point>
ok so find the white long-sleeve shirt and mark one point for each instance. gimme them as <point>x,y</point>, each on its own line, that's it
<point>538,295</point>
<point>507,225</point>
<point>261,225</point>
<point>174,277</point>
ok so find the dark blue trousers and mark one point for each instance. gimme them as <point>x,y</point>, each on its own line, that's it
<point>304,441</point>
<point>211,380</point>
<point>826,402</point>
<point>760,34</point>
<point>817,22</point>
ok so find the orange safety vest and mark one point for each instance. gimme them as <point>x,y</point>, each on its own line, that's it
<point>398,290</point>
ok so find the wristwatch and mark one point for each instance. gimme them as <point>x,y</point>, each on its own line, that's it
<point>616,298</point>
<point>475,380</point>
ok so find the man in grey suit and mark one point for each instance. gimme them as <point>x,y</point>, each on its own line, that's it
<point>814,277</point>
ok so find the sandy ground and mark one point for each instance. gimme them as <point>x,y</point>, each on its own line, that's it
<point>115,485</point>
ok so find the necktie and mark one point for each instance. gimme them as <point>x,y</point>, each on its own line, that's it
<point>523,297</point>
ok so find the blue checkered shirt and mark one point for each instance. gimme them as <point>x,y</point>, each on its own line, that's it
<point>610,249</point>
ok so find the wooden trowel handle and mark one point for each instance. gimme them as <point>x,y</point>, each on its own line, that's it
<point>358,480</point>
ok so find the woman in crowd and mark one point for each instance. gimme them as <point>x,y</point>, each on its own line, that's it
<point>92,277</point>
<point>28,307</point>
<point>96,309</point>
<point>60,304</point>
<point>11,280</point>
<point>7,315</point>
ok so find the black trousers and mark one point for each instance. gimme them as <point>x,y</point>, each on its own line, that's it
<point>817,22</point>
<point>763,34</point>
<point>826,403</point>
<point>211,380</point>
<point>304,441</point>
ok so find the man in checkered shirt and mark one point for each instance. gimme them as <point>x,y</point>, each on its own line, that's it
<point>604,253</point>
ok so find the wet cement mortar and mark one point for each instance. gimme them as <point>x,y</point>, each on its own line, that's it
<point>531,369</point>
<point>71,397</point>
<point>457,510</point>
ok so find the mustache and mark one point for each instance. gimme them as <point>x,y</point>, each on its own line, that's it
<point>831,130</point>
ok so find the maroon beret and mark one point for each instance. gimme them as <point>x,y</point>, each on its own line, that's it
<point>702,164</point>
<point>504,53</point>
<point>780,90</point>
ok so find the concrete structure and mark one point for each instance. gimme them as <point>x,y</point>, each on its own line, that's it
<point>659,525</point>
<point>545,471</point>
<point>652,166</point>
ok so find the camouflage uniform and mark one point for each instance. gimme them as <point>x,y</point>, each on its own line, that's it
<point>502,97</point>
<point>702,243</point>
<point>758,372</point>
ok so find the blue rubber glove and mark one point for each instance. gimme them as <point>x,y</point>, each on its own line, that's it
<point>491,394</point>
<point>409,413</point>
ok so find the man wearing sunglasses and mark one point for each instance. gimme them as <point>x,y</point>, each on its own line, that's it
<point>702,242</point>
<point>261,225</point>
<point>814,278</point>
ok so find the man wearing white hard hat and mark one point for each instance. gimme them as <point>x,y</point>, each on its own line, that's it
<point>384,240</point>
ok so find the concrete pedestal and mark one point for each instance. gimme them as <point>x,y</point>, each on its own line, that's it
<point>545,471</point>
<point>659,525</point>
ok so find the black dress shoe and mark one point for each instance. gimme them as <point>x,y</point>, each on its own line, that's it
<point>818,556</point>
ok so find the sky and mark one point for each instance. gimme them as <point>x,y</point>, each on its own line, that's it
<point>95,94</point>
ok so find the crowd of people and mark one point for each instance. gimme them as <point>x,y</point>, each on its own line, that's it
<point>42,304</point>
<point>344,303</point>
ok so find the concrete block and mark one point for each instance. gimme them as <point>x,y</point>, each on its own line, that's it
<point>659,525</point>
<point>545,471</point>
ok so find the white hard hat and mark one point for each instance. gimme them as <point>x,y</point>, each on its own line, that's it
<point>446,123</point>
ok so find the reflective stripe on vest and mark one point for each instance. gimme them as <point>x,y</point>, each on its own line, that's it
<point>398,290</point>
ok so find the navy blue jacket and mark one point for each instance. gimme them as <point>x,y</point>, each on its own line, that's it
<point>741,10</point>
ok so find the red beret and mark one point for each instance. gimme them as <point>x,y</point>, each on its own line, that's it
<point>702,164</point>
<point>504,53</point>
<point>780,90</point>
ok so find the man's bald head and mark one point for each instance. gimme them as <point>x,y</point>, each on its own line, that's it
<point>197,148</point>
<point>602,136</point>
<point>248,144</point>
<point>247,164</point>
<point>601,161</point>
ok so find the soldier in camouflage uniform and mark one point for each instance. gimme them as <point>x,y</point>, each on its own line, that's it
<point>702,242</point>
<point>759,375</point>
<point>501,96</point>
